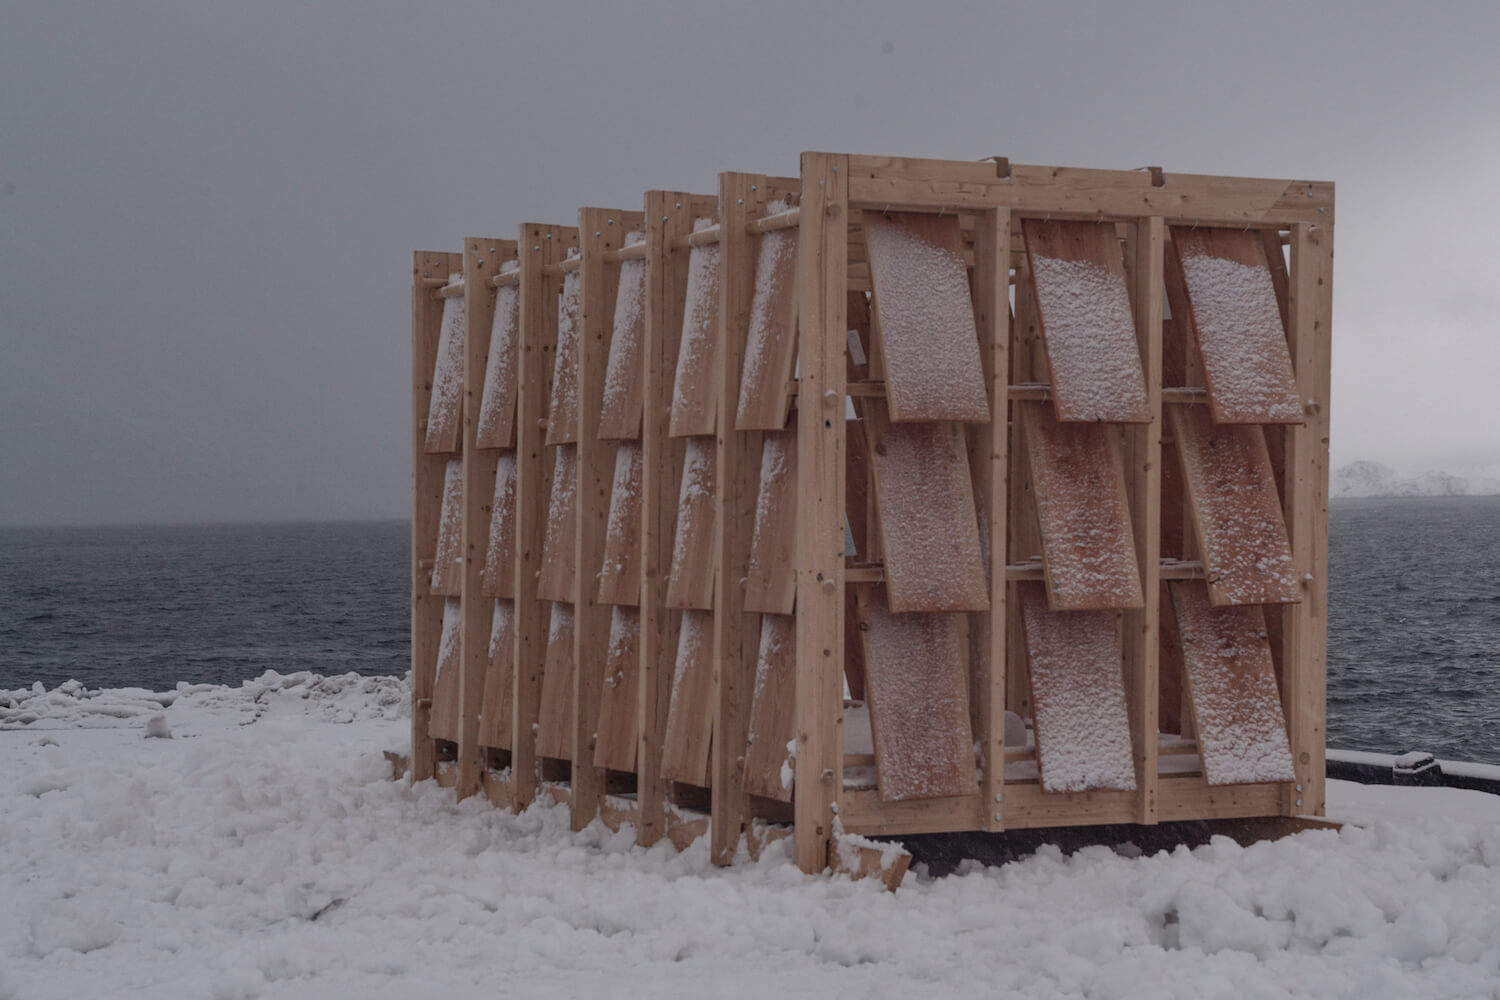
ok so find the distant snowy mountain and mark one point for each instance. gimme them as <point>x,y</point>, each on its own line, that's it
<point>1372,479</point>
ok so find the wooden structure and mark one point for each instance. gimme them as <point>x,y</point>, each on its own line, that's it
<point>762,512</point>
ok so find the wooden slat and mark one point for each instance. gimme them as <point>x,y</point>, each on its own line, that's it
<point>445,411</point>
<point>1237,712</point>
<point>500,554</point>
<point>692,578</point>
<point>562,417</point>
<point>554,728</point>
<point>497,404</point>
<point>620,570</point>
<point>929,532</point>
<point>557,573</point>
<point>447,562</point>
<point>1078,689</point>
<point>771,583</point>
<point>444,724</point>
<point>1236,322</point>
<point>620,409</point>
<point>685,748</point>
<point>771,346</point>
<point>917,682</point>
<point>615,747</point>
<point>1088,547</point>
<point>694,408</point>
<point>773,712</point>
<point>1088,333</point>
<point>926,319</point>
<point>1234,510</point>
<point>499,679</point>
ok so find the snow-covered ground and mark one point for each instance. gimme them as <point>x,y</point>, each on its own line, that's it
<point>263,851</point>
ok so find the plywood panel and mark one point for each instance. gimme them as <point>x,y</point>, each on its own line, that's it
<point>562,418</point>
<point>1087,329</point>
<point>685,747</point>
<point>773,710</point>
<point>445,409</point>
<point>691,583</point>
<point>447,565</point>
<point>500,553</point>
<point>1078,479</point>
<point>497,401</point>
<point>1078,690</point>
<point>694,401</point>
<point>771,344</point>
<point>1237,709</point>
<point>554,728</point>
<point>771,583</point>
<point>925,318</point>
<point>617,732</point>
<point>443,724</point>
<point>916,678</point>
<point>555,582</point>
<point>494,710</point>
<point>620,573</point>
<point>1236,322</point>
<point>620,408</point>
<point>929,531</point>
<point>1232,504</point>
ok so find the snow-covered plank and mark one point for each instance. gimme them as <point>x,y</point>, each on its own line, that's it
<point>929,532</point>
<point>690,717</point>
<point>1236,322</point>
<point>1078,694</point>
<point>555,581</point>
<point>620,571</point>
<point>447,567</point>
<point>1236,706</point>
<point>445,408</point>
<point>773,710</point>
<point>562,417</point>
<point>916,679</point>
<point>1087,328</point>
<point>615,745</point>
<point>494,709</point>
<point>496,427</point>
<point>694,399</point>
<point>1078,479</point>
<point>443,723</point>
<point>1234,510</point>
<point>554,727</point>
<point>771,343</point>
<point>771,580</point>
<point>500,551</point>
<point>624,390</point>
<point>691,581</point>
<point>925,318</point>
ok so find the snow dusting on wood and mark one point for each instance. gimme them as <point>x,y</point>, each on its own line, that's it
<point>694,399</point>
<point>771,577</point>
<point>497,401</point>
<point>556,580</point>
<point>685,746</point>
<point>624,391</point>
<point>562,421</point>
<point>554,729</point>
<point>494,709</point>
<point>619,574</point>
<point>499,559</point>
<point>444,409</point>
<point>773,715</point>
<point>771,343</point>
<point>691,582</point>
<point>615,747</point>
<point>443,723</point>
<point>447,562</point>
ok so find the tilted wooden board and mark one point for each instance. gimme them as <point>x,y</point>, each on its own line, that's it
<point>447,567</point>
<point>916,678</point>
<point>555,580</point>
<point>1078,696</point>
<point>443,723</point>
<point>496,427</point>
<point>1236,322</point>
<point>445,409</point>
<point>771,344</point>
<point>925,318</point>
<point>771,579</point>
<point>554,727</point>
<point>494,709</point>
<point>694,399</point>
<point>620,572</point>
<point>618,721</point>
<point>499,558</point>
<point>1235,513</point>
<point>1078,477</point>
<point>1087,328</point>
<point>691,583</point>
<point>624,388</point>
<point>690,718</point>
<point>1237,709</point>
<point>562,418</point>
<point>929,531</point>
<point>773,710</point>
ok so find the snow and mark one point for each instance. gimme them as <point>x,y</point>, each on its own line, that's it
<point>562,422</point>
<point>1089,335</point>
<point>693,399</point>
<point>497,401</point>
<point>622,371</point>
<point>448,372</point>
<point>773,321</point>
<point>447,566</point>
<point>266,853</point>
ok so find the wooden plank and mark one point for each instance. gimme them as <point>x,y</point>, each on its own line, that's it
<point>685,748</point>
<point>444,724</point>
<point>1088,333</point>
<point>562,417</point>
<point>865,813</point>
<point>500,554</point>
<point>1233,508</point>
<point>557,574</point>
<point>773,711</point>
<point>447,562</point>
<point>694,408</point>
<point>1171,696</point>
<point>771,582</point>
<point>926,318</point>
<point>929,532</point>
<point>771,345</point>
<point>499,679</point>
<point>615,747</point>
<point>620,408</point>
<point>1237,713</point>
<point>445,411</point>
<point>620,567</point>
<point>1088,547</point>
<point>917,682</point>
<point>1235,320</point>
<point>554,728</point>
<point>497,403</point>
<point>692,578</point>
<point>1078,689</point>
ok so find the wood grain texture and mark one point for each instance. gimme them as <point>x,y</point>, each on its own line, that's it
<point>691,583</point>
<point>624,388</point>
<point>771,583</point>
<point>497,402</point>
<point>620,570</point>
<point>616,745</point>
<point>562,415</point>
<point>554,728</point>
<point>694,403</point>
<point>499,679</point>
<point>445,411</point>
<point>685,746</point>
<point>771,345</point>
<point>500,554</point>
<point>555,583</point>
<point>447,562</point>
<point>773,710</point>
<point>445,692</point>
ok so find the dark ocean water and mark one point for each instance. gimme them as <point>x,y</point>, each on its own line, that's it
<point>1413,643</point>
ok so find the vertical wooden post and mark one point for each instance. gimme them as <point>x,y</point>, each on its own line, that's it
<point>1305,635</point>
<point>1143,473</point>
<point>822,267</point>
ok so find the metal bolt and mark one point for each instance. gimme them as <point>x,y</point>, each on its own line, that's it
<point>1299,802</point>
<point>999,818</point>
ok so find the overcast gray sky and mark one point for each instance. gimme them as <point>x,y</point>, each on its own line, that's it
<point>207,209</point>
